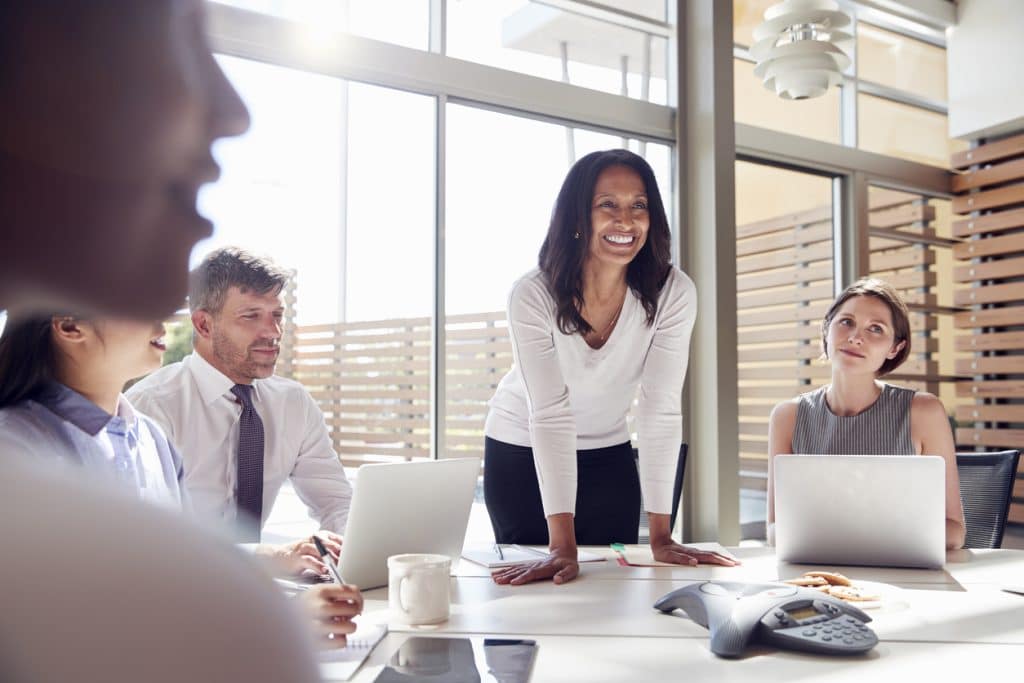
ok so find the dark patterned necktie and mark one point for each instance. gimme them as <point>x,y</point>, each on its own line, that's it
<point>249,497</point>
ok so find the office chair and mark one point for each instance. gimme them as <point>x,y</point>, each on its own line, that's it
<point>986,487</point>
<point>677,492</point>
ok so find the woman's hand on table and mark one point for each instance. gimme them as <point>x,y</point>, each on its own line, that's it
<point>559,566</point>
<point>670,551</point>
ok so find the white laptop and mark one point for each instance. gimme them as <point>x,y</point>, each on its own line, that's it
<point>407,507</point>
<point>875,510</point>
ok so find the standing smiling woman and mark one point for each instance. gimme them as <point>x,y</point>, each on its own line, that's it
<point>604,313</point>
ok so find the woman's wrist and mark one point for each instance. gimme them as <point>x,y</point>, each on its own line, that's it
<point>660,527</point>
<point>562,534</point>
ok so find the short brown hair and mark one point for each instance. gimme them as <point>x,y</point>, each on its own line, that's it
<point>232,267</point>
<point>886,293</point>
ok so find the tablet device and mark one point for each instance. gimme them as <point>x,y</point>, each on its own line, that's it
<point>874,510</point>
<point>460,660</point>
<point>406,507</point>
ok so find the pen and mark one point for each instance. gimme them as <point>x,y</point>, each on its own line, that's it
<point>497,549</point>
<point>329,561</point>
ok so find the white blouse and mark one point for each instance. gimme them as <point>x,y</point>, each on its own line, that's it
<point>561,395</point>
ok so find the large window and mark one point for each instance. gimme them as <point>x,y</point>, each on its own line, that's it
<point>784,286</point>
<point>503,173</point>
<point>335,180</point>
<point>538,39</point>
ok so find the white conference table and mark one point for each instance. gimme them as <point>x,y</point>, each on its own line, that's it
<point>954,621</point>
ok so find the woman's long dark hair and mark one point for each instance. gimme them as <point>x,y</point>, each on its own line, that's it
<point>27,358</point>
<point>562,255</point>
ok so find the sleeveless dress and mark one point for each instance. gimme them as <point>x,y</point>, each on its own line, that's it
<point>882,429</point>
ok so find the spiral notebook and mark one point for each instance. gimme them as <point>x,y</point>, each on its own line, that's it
<point>341,664</point>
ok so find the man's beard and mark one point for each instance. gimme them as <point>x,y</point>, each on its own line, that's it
<point>242,363</point>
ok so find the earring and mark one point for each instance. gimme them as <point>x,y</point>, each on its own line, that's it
<point>576,235</point>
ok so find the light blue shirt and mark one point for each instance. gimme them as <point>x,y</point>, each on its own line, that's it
<point>127,448</point>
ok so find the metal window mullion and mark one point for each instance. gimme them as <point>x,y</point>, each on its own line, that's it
<point>848,96</point>
<point>438,42</point>
<point>438,356</point>
<point>851,255</point>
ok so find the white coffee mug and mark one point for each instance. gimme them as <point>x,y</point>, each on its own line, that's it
<point>418,588</point>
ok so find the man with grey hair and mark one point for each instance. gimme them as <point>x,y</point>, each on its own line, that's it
<point>241,429</point>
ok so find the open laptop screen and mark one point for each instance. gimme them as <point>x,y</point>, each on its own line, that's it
<point>876,510</point>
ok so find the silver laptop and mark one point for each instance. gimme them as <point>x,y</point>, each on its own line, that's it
<point>407,507</point>
<point>875,510</point>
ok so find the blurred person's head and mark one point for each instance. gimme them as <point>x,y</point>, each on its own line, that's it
<point>237,305</point>
<point>110,111</point>
<point>608,212</point>
<point>91,355</point>
<point>867,329</point>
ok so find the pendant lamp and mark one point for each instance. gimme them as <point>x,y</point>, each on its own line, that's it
<point>799,48</point>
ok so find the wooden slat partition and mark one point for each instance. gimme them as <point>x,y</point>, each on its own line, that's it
<point>784,286</point>
<point>991,270</point>
<point>372,380</point>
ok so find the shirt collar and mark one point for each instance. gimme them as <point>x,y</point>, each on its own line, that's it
<point>211,382</point>
<point>72,407</point>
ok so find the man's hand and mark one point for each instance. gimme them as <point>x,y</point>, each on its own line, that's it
<point>332,607</point>
<point>300,556</point>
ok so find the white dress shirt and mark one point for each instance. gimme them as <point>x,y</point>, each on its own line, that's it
<point>193,403</point>
<point>561,395</point>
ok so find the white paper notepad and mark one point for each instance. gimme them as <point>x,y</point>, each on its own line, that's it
<point>341,664</point>
<point>516,554</point>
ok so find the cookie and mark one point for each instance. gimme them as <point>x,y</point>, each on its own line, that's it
<point>833,578</point>
<point>851,594</point>
<point>807,581</point>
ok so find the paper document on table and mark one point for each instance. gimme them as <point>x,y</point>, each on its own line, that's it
<point>516,554</point>
<point>641,556</point>
<point>341,664</point>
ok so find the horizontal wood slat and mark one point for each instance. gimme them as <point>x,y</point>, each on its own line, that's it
<point>989,199</point>
<point>821,291</point>
<point>990,365</point>
<point>783,258</point>
<point>901,215</point>
<point>991,317</point>
<point>778,334</point>
<point>990,246</point>
<point>998,438</point>
<point>992,151</point>
<point>991,294</point>
<point>993,222</point>
<point>991,270</point>
<point>784,222</point>
<point>995,341</point>
<point>998,388</point>
<point>904,258</point>
<point>787,276</point>
<point>991,175</point>
<point>787,239</point>
<point>991,413</point>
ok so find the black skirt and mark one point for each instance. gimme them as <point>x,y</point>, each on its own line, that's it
<point>607,495</point>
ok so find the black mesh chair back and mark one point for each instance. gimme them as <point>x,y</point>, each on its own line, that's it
<point>677,492</point>
<point>986,487</point>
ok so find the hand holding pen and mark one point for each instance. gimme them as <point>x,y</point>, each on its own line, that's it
<point>332,605</point>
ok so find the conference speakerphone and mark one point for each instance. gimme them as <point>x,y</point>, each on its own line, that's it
<point>789,617</point>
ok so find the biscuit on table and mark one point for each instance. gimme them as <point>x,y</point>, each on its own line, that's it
<point>807,581</point>
<point>851,594</point>
<point>833,578</point>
